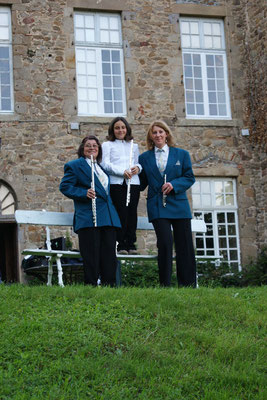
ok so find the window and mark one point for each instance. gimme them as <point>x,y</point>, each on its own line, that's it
<point>7,200</point>
<point>99,64</point>
<point>6,82</point>
<point>205,69</point>
<point>215,202</point>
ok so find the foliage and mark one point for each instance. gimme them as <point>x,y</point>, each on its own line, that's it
<point>141,274</point>
<point>130,343</point>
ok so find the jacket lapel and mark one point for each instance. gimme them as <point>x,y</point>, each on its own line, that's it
<point>153,166</point>
<point>87,170</point>
<point>171,159</point>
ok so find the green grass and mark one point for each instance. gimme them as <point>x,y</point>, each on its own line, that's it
<point>131,343</point>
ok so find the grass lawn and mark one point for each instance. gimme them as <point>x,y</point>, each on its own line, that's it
<point>129,343</point>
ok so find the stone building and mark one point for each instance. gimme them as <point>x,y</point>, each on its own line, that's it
<point>67,67</point>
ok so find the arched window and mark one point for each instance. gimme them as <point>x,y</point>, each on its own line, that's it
<point>7,200</point>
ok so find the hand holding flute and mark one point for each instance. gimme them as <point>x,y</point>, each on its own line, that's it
<point>166,189</point>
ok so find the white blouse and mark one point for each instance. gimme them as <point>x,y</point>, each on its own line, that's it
<point>116,159</point>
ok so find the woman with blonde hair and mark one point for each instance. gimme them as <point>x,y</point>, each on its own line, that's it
<point>167,172</point>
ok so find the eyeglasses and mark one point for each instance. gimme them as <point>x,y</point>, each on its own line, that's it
<point>91,147</point>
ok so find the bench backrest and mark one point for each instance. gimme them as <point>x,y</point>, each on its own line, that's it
<point>53,218</point>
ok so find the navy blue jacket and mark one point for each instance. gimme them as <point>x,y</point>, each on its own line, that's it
<point>179,173</point>
<point>74,184</point>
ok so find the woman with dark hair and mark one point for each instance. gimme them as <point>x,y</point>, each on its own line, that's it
<point>95,217</point>
<point>167,172</point>
<point>120,160</point>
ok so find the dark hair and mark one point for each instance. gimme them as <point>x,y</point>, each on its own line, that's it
<point>111,135</point>
<point>163,125</point>
<point>80,151</point>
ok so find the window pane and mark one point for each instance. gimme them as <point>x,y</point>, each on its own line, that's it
<point>206,200</point>
<point>210,60</point>
<point>211,84</point>
<point>200,109</point>
<point>220,217</point>
<point>221,97</point>
<point>116,69</point>
<point>107,94</point>
<point>89,21</point>
<point>106,68</point>
<point>189,83</point>
<point>221,230</point>
<point>213,109</point>
<point>6,104</point>
<point>222,109</point>
<point>208,42</point>
<point>212,97</point>
<point>220,84</point>
<point>190,109</point>
<point>79,35</point>
<point>115,55</point>
<point>207,28</point>
<point>189,96</point>
<point>117,94</point>
<point>217,44</point>
<point>233,255</point>
<point>210,72</point>
<point>219,72</point>
<point>218,187</point>
<point>79,21</point>
<point>194,27</point>
<point>198,84</point>
<point>219,200</point>
<point>197,72</point>
<point>186,41</point>
<point>114,37</point>
<point>231,230</point>
<point>116,81</point>
<point>230,217</point>
<point>118,107</point>
<point>199,97</point>
<point>92,94</point>
<point>229,187</point>
<point>205,186</point>
<point>196,59</point>
<point>5,79</point>
<point>93,109</point>
<point>208,218</point>
<point>196,200</point>
<point>187,59</point>
<point>106,81</point>
<point>104,36</point>
<point>232,242</point>
<point>185,27</point>
<point>114,23</point>
<point>89,35</point>
<point>4,52</point>
<point>195,41</point>
<point>188,71</point>
<point>108,108</point>
<point>104,23</point>
<point>219,61</point>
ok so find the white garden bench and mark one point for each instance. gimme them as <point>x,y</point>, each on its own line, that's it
<point>52,218</point>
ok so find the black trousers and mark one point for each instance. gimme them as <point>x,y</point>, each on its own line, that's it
<point>126,236</point>
<point>185,256</point>
<point>98,250</point>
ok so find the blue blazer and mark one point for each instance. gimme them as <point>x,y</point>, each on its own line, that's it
<point>179,173</point>
<point>74,184</point>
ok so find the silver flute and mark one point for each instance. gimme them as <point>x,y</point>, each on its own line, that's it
<point>93,187</point>
<point>164,196</point>
<point>128,196</point>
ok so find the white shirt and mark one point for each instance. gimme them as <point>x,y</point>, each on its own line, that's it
<point>116,159</point>
<point>103,178</point>
<point>165,154</point>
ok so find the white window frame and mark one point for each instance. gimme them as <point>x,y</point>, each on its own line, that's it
<point>6,42</point>
<point>97,47</point>
<point>199,211</point>
<point>202,51</point>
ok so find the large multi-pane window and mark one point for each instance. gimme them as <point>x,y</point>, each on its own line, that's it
<point>205,69</point>
<point>99,64</point>
<point>6,81</point>
<point>214,200</point>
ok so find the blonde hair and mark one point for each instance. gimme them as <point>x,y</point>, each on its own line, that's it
<point>149,142</point>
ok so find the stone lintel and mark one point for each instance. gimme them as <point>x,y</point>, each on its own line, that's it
<point>199,10</point>
<point>216,171</point>
<point>106,5</point>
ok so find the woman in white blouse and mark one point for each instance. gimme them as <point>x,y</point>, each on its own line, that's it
<point>116,162</point>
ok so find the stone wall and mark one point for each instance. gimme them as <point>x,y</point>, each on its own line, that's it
<point>37,139</point>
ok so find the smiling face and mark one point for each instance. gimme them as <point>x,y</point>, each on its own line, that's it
<point>158,136</point>
<point>91,148</point>
<point>120,130</point>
